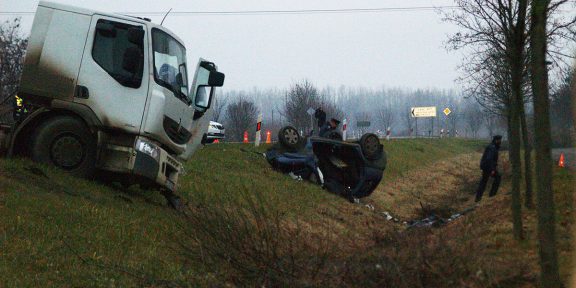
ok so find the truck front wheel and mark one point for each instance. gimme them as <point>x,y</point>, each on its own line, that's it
<point>67,143</point>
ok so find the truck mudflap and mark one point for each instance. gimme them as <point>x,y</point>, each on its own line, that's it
<point>153,162</point>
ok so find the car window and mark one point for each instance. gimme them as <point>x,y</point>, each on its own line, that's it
<point>110,51</point>
<point>170,63</point>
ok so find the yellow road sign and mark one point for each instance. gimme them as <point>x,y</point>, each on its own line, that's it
<point>447,111</point>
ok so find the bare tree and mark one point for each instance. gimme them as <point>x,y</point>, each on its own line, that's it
<point>362,117</point>
<point>550,276</point>
<point>220,102</point>
<point>473,115</point>
<point>241,116</point>
<point>12,50</point>
<point>491,122</point>
<point>299,98</point>
<point>496,31</point>
<point>561,116</point>
<point>408,120</point>
<point>386,116</point>
<point>303,96</point>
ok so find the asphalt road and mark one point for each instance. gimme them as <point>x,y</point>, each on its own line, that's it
<point>569,157</point>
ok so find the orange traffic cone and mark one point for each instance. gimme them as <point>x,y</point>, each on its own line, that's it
<point>561,161</point>
<point>268,137</point>
<point>245,136</point>
<point>216,141</point>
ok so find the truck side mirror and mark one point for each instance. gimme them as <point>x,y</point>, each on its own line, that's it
<point>216,79</point>
<point>106,29</point>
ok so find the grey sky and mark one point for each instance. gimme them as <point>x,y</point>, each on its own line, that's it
<point>398,48</point>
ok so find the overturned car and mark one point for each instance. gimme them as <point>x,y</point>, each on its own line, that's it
<point>350,169</point>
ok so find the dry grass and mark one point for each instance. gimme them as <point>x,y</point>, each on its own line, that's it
<point>451,182</point>
<point>251,226</point>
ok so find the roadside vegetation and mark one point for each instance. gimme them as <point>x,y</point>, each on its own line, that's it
<point>249,226</point>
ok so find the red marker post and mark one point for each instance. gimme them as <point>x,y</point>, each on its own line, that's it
<point>344,127</point>
<point>258,128</point>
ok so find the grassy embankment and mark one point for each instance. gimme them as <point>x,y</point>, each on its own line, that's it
<point>249,225</point>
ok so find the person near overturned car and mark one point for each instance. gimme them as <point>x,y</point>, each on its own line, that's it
<point>328,128</point>
<point>325,127</point>
<point>489,166</point>
<point>320,116</point>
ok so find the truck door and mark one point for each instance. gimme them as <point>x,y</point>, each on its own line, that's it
<point>171,85</point>
<point>203,95</point>
<point>111,78</point>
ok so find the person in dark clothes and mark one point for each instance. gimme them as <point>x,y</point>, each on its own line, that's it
<point>328,127</point>
<point>489,166</point>
<point>320,116</point>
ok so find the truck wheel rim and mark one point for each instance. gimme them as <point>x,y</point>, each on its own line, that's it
<point>67,152</point>
<point>291,136</point>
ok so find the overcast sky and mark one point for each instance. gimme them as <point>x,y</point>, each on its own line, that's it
<point>392,48</point>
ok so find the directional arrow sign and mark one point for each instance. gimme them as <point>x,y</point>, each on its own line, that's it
<point>423,111</point>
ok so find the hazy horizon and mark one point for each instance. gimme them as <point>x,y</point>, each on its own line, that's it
<point>392,49</point>
<point>398,48</point>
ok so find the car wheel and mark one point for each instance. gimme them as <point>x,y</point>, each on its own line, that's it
<point>371,146</point>
<point>67,143</point>
<point>289,137</point>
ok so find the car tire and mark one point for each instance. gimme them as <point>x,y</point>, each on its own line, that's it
<point>289,137</point>
<point>371,147</point>
<point>65,142</point>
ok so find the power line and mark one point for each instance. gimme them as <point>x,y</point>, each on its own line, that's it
<point>276,12</point>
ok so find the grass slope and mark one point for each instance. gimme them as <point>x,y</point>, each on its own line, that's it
<point>247,224</point>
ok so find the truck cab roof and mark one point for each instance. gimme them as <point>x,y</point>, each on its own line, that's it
<point>84,11</point>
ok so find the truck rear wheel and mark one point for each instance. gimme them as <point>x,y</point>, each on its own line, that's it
<point>67,143</point>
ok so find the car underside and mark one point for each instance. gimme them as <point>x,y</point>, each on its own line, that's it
<point>350,169</point>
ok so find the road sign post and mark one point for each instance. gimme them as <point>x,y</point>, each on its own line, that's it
<point>419,112</point>
<point>422,112</point>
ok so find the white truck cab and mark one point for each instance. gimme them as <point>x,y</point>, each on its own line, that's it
<point>110,92</point>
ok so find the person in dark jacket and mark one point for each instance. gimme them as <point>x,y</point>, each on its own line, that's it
<point>320,116</point>
<point>332,125</point>
<point>489,166</point>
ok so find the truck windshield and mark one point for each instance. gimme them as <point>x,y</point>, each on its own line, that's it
<point>170,64</point>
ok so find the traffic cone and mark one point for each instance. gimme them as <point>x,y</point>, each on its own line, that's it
<point>561,161</point>
<point>268,137</point>
<point>216,141</point>
<point>245,136</point>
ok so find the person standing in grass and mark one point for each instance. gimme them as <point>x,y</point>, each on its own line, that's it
<point>489,166</point>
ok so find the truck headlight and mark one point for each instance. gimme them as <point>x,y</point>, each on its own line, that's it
<point>148,148</point>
